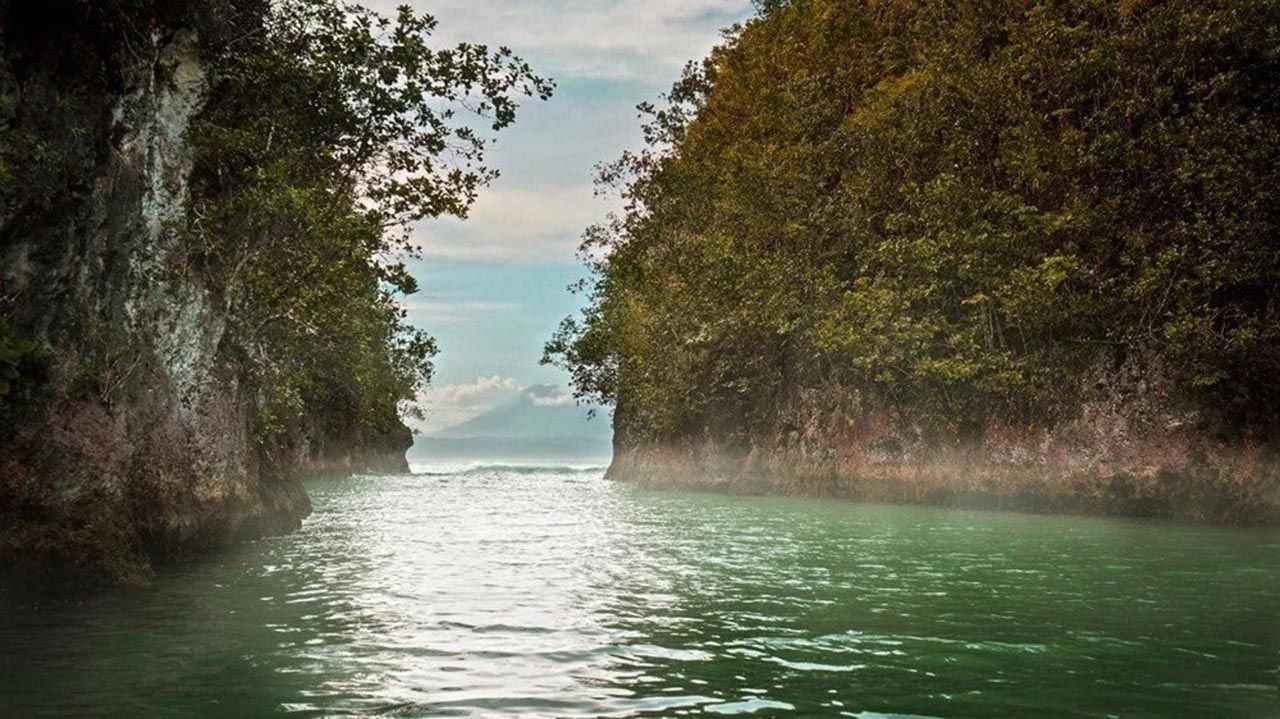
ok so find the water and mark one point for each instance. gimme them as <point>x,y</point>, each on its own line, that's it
<point>522,593</point>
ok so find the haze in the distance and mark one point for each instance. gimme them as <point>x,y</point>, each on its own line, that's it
<point>493,286</point>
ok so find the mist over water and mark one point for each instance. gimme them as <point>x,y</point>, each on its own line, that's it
<point>487,590</point>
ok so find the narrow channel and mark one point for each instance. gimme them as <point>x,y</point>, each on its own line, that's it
<point>552,592</point>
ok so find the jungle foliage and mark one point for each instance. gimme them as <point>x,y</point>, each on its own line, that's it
<point>329,130</point>
<point>956,207</point>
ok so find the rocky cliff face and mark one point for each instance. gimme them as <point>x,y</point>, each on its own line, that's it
<point>1131,448</point>
<point>128,436</point>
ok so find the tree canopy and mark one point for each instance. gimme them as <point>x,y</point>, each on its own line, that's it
<point>330,129</point>
<point>956,207</point>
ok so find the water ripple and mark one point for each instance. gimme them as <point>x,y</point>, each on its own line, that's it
<point>511,591</point>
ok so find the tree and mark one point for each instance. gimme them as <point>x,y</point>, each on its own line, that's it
<point>329,130</point>
<point>957,209</point>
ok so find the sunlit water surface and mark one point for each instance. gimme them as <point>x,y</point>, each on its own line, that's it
<point>509,592</point>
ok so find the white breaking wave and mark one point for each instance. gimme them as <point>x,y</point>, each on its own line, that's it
<point>485,468</point>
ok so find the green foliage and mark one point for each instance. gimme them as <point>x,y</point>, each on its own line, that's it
<point>958,207</point>
<point>329,129</point>
<point>12,350</point>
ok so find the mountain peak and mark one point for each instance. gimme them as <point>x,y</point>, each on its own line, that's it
<point>541,411</point>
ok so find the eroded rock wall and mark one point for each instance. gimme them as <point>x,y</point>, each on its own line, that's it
<point>128,439</point>
<point>1132,447</point>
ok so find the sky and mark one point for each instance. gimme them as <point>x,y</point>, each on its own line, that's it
<point>494,285</point>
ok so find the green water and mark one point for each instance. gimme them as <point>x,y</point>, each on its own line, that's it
<point>499,593</point>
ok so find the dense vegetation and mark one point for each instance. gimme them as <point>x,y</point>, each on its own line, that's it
<point>958,208</point>
<point>329,129</point>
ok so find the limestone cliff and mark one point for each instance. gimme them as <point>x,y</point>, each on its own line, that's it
<point>1134,446</point>
<point>128,437</point>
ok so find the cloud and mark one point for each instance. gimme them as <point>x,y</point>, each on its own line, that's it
<point>451,404</point>
<point>550,395</point>
<point>515,223</point>
<point>431,311</point>
<point>606,55</point>
<point>484,393</point>
<point>588,38</point>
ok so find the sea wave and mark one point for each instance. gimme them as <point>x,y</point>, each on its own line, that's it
<point>484,468</point>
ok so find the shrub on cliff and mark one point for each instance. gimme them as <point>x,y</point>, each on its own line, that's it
<point>329,129</point>
<point>958,207</point>
<point>12,349</point>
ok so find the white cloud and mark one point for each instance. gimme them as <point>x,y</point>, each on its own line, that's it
<point>484,393</point>
<point>620,52</point>
<point>450,404</point>
<point>551,396</point>
<point>429,311</point>
<point>515,223</point>
<point>587,38</point>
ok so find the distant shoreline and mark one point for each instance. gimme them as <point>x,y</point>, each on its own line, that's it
<point>585,449</point>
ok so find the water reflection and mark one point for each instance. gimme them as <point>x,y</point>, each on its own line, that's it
<point>556,594</point>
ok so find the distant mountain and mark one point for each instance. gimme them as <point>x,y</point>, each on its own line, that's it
<point>538,412</point>
<point>541,422</point>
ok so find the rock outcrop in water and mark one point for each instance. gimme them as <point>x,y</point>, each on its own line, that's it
<point>1015,254</point>
<point>129,437</point>
<point>1134,448</point>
